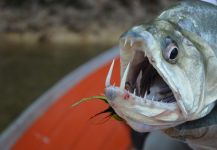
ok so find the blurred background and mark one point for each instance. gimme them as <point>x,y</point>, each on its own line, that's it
<point>43,40</point>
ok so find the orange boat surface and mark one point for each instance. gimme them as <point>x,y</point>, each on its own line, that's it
<point>61,127</point>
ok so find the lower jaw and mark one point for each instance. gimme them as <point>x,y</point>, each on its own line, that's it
<point>125,96</point>
<point>141,127</point>
<point>125,107</point>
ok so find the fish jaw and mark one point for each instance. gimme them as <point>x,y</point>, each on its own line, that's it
<point>142,113</point>
<point>148,107</point>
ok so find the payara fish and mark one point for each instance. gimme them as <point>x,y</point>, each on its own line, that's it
<point>168,69</point>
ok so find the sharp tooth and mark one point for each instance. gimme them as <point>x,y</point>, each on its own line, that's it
<point>131,43</point>
<point>125,42</point>
<point>134,92</point>
<point>108,78</point>
<point>145,95</point>
<point>123,80</point>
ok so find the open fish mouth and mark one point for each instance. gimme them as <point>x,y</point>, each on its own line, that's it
<point>143,96</point>
<point>144,81</point>
<point>140,78</point>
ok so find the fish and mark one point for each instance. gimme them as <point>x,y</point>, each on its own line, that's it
<point>168,68</point>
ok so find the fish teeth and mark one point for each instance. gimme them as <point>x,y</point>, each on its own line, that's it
<point>145,95</point>
<point>131,43</point>
<point>134,92</point>
<point>145,54</point>
<point>108,78</point>
<point>141,100</point>
<point>124,78</point>
<point>125,42</point>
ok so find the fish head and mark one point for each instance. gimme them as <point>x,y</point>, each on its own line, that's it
<point>163,78</point>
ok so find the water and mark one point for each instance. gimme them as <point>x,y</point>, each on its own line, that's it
<point>27,71</point>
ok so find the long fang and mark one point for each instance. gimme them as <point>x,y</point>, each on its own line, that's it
<point>134,92</point>
<point>108,78</point>
<point>124,78</point>
<point>125,42</point>
<point>145,95</point>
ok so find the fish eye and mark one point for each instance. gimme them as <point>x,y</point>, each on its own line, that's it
<point>170,53</point>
